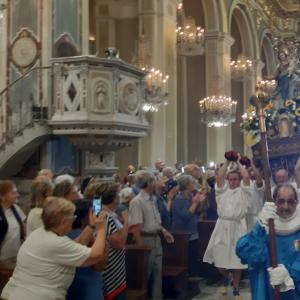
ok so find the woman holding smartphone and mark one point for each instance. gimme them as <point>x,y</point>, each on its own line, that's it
<point>47,259</point>
<point>114,274</point>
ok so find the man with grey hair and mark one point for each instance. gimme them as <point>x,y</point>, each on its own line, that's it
<point>145,224</point>
<point>168,172</point>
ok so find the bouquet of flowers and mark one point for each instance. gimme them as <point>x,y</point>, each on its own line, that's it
<point>231,155</point>
<point>250,123</point>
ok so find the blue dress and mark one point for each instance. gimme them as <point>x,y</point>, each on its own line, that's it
<point>87,283</point>
<point>253,250</point>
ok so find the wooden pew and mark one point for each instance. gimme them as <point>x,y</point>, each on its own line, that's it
<point>175,262</point>
<point>136,271</point>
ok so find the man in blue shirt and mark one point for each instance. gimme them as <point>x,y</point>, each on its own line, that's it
<point>253,248</point>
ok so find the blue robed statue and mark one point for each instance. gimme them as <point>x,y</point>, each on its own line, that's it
<point>285,75</point>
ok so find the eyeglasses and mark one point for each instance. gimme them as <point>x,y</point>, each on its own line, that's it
<point>73,217</point>
<point>289,202</point>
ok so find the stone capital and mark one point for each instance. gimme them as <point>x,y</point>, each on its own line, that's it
<point>220,37</point>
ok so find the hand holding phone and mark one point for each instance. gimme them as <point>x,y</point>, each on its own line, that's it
<point>97,205</point>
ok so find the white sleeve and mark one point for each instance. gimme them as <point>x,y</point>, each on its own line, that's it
<point>70,253</point>
<point>221,190</point>
<point>246,188</point>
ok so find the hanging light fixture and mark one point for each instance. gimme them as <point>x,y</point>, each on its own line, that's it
<point>241,68</point>
<point>156,81</point>
<point>190,38</point>
<point>218,111</point>
<point>266,86</point>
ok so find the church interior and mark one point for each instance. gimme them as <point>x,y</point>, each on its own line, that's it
<point>99,90</point>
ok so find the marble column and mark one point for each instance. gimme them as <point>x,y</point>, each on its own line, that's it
<point>159,19</point>
<point>218,81</point>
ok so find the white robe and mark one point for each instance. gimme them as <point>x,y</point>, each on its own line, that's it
<point>256,204</point>
<point>233,205</point>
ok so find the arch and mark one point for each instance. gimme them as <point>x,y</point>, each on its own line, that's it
<point>267,53</point>
<point>247,27</point>
<point>211,15</point>
<point>223,17</point>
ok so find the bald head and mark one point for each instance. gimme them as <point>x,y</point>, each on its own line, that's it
<point>281,177</point>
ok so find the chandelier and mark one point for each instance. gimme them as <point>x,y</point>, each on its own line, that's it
<point>156,89</point>
<point>240,68</point>
<point>190,38</point>
<point>266,86</point>
<point>217,111</point>
<point>156,92</point>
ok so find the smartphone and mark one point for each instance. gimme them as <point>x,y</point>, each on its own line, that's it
<point>97,205</point>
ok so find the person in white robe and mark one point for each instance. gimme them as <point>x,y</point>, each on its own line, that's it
<point>233,195</point>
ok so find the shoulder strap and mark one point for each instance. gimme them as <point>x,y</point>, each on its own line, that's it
<point>18,218</point>
<point>3,225</point>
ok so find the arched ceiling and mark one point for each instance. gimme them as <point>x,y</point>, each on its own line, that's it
<point>287,8</point>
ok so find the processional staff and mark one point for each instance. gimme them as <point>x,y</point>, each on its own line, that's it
<point>260,101</point>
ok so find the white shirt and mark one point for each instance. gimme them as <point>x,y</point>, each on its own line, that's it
<point>12,241</point>
<point>34,220</point>
<point>45,267</point>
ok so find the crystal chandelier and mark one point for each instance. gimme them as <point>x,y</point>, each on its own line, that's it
<point>190,38</point>
<point>266,86</point>
<point>217,111</point>
<point>156,92</point>
<point>240,68</point>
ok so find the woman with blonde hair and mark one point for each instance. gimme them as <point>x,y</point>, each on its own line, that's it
<point>41,188</point>
<point>12,218</point>
<point>47,259</point>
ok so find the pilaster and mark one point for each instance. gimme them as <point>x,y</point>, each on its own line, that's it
<point>160,24</point>
<point>217,59</point>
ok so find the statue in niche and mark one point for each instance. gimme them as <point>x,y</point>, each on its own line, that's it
<point>108,159</point>
<point>285,75</point>
<point>130,97</point>
<point>101,98</point>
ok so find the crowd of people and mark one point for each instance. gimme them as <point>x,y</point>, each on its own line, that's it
<point>63,249</point>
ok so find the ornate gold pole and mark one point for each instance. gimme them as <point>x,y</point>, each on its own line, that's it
<point>260,100</point>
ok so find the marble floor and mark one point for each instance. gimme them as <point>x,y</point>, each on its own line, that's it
<point>212,292</point>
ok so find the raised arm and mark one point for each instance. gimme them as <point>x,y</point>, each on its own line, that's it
<point>244,173</point>
<point>258,179</point>
<point>220,179</point>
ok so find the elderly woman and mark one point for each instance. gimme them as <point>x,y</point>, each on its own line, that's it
<point>12,219</point>
<point>185,215</point>
<point>41,188</point>
<point>47,259</point>
<point>114,275</point>
<point>67,190</point>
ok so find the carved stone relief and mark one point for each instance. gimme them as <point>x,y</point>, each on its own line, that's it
<point>72,91</point>
<point>101,96</point>
<point>99,160</point>
<point>129,97</point>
